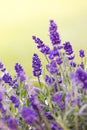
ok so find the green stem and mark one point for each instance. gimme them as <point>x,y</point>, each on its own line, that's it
<point>46,58</point>
<point>39,82</point>
<point>56,79</point>
<point>60,122</point>
<point>76,109</point>
<point>76,118</point>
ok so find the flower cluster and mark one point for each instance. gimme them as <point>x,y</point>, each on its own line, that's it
<point>54,35</point>
<point>36,64</point>
<point>58,102</point>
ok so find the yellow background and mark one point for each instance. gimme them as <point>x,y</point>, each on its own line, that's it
<point>20,19</point>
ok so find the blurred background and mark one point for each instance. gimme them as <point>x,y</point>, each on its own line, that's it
<point>20,19</point>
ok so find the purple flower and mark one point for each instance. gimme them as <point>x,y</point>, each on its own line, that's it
<point>52,67</point>
<point>39,42</point>
<point>2,90</point>
<point>1,105</point>
<point>55,87</point>
<point>13,123</point>
<point>76,102</point>
<point>60,81</point>
<point>49,80</point>
<point>62,105</point>
<point>36,64</point>
<point>60,47</point>
<point>85,84</point>
<point>59,61</point>
<point>73,64</point>
<point>56,126</point>
<point>15,100</point>
<point>1,96</point>
<point>81,76</point>
<point>68,48</point>
<point>71,57</point>
<point>81,53</point>
<point>57,97</point>
<point>1,65</point>
<point>7,79</point>
<point>15,85</point>
<point>43,126</point>
<point>2,109</point>
<point>3,70</point>
<point>5,118</point>
<point>54,35</point>
<point>49,115</point>
<point>29,115</point>
<point>33,102</point>
<point>53,53</point>
<point>82,65</point>
<point>43,48</point>
<point>18,68</point>
<point>20,72</point>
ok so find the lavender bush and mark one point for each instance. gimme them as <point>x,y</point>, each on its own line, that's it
<point>58,102</point>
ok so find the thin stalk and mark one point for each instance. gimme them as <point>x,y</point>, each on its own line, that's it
<point>6,94</point>
<point>76,119</point>
<point>56,79</point>
<point>49,100</point>
<point>46,58</point>
<point>61,123</point>
<point>39,82</point>
<point>82,59</point>
<point>76,108</point>
<point>46,122</point>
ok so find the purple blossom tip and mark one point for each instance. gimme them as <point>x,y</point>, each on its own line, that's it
<point>29,115</point>
<point>1,65</point>
<point>18,68</point>
<point>13,123</point>
<point>15,100</point>
<point>54,35</point>
<point>81,53</point>
<point>36,64</point>
<point>52,67</point>
<point>68,48</point>
<point>20,72</point>
<point>49,80</point>
<point>7,79</point>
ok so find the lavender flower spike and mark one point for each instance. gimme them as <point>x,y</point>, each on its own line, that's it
<point>15,100</point>
<point>7,79</point>
<point>36,64</point>
<point>81,53</point>
<point>38,41</point>
<point>13,123</point>
<point>68,48</point>
<point>54,35</point>
<point>43,48</point>
<point>20,72</point>
<point>29,115</point>
<point>52,67</point>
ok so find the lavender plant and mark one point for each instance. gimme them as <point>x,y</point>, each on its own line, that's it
<point>58,102</point>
